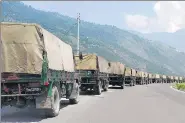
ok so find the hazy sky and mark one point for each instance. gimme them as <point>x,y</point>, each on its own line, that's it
<point>148,16</point>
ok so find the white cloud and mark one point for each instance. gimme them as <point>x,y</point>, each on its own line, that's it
<point>170,17</point>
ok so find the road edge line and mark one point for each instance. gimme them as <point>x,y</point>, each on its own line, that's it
<point>177,90</point>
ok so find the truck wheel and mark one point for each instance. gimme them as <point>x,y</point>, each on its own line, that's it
<point>131,83</point>
<point>75,100</point>
<point>106,86</point>
<point>55,103</point>
<point>122,87</point>
<point>98,88</point>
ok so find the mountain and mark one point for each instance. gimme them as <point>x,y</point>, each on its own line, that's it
<point>112,43</point>
<point>175,39</point>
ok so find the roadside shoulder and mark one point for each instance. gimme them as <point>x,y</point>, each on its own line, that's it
<point>174,87</point>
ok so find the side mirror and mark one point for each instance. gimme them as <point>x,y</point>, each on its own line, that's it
<point>80,56</point>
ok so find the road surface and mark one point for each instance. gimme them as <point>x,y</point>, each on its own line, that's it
<point>155,103</point>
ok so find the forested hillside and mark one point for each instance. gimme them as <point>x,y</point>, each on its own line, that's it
<point>108,41</point>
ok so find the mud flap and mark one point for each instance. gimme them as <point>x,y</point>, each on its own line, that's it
<point>43,102</point>
<point>74,92</point>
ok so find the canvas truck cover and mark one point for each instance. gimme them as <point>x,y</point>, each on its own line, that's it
<point>180,78</point>
<point>171,77</point>
<point>176,77</point>
<point>157,76</point>
<point>128,71</point>
<point>138,74</point>
<point>164,76</point>
<point>60,54</point>
<point>23,47</point>
<point>133,72</point>
<point>153,76</point>
<point>144,74</point>
<point>89,62</point>
<point>150,75</point>
<point>92,62</point>
<point>103,65</point>
<point>117,68</point>
<point>168,77</point>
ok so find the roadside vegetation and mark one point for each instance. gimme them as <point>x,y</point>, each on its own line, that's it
<point>180,86</point>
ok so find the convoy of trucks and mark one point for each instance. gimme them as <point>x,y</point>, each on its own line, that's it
<point>39,69</point>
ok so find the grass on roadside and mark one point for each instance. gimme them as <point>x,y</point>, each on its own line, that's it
<point>179,86</point>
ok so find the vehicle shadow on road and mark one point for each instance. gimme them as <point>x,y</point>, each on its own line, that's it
<point>88,92</point>
<point>26,115</point>
<point>118,87</point>
<point>114,87</point>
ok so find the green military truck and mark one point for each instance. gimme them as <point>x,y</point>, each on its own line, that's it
<point>180,79</point>
<point>168,79</point>
<point>94,71</point>
<point>176,79</point>
<point>157,78</point>
<point>130,76</point>
<point>117,73</point>
<point>38,69</point>
<point>139,77</point>
<point>164,79</point>
<point>150,78</point>
<point>144,76</point>
<point>172,79</point>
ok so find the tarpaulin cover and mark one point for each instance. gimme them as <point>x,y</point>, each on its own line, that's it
<point>153,75</point>
<point>117,68</point>
<point>144,74</point>
<point>164,76</point>
<point>92,62</point>
<point>133,72</point>
<point>150,75</point>
<point>23,47</point>
<point>176,77</point>
<point>128,71</point>
<point>59,53</point>
<point>157,76</point>
<point>139,74</point>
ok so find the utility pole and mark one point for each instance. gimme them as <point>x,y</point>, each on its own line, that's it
<point>78,37</point>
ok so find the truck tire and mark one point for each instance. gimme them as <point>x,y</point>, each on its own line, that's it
<point>75,100</point>
<point>123,86</point>
<point>106,86</point>
<point>131,83</point>
<point>55,103</point>
<point>98,88</point>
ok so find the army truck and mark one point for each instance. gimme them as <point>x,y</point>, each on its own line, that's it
<point>139,78</point>
<point>157,78</point>
<point>150,78</point>
<point>94,71</point>
<point>176,79</point>
<point>130,76</point>
<point>144,76</point>
<point>153,78</point>
<point>164,79</point>
<point>133,76</point>
<point>180,79</point>
<point>168,79</point>
<point>117,73</point>
<point>172,79</point>
<point>38,69</point>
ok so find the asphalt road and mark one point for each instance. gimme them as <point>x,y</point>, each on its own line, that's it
<point>155,103</point>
